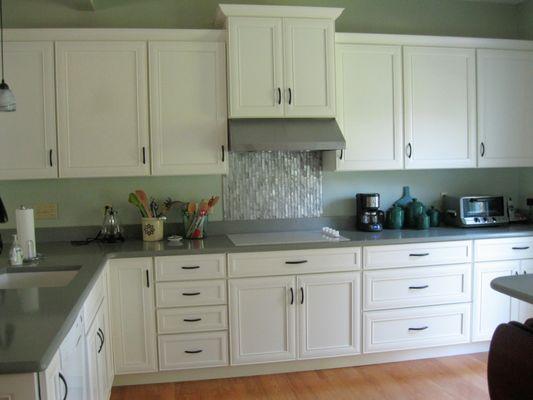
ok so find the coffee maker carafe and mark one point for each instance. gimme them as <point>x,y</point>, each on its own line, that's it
<point>369,217</point>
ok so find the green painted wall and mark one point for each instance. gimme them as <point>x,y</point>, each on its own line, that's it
<point>427,17</point>
<point>526,20</point>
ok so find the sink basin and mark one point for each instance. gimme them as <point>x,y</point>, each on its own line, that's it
<point>40,278</point>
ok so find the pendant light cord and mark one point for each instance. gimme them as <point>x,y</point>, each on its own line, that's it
<point>2,37</point>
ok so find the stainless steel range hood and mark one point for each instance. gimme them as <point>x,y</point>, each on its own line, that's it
<point>285,134</point>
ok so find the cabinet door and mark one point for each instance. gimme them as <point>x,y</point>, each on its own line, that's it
<point>329,314</point>
<point>102,109</point>
<point>262,319</point>
<point>255,67</point>
<point>440,107</point>
<point>490,308</point>
<point>505,109</point>
<point>188,108</point>
<point>309,48</point>
<point>369,107</point>
<point>133,315</point>
<point>49,381</point>
<point>28,136</point>
<point>94,341</point>
<point>524,309</point>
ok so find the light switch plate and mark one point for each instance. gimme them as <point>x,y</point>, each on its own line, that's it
<point>46,211</point>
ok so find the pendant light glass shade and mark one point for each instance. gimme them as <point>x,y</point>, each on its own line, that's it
<point>7,98</point>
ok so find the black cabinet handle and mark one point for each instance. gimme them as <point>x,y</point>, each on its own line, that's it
<point>290,96</point>
<point>342,154</point>
<point>191,319</point>
<point>279,95</point>
<point>296,262</point>
<point>521,248</point>
<point>418,287</point>
<point>418,254</point>
<point>101,341</point>
<point>102,333</point>
<point>193,351</point>
<point>144,155</point>
<point>292,296</point>
<point>302,291</point>
<point>409,150</point>
<point>191,294</point>
<point>192,267</point>
<point>223,153</point>
<point>422,328</point>
<point>64,384</point>
<point>482,149</point>
<point>147,279</point>
<point>50,156</point>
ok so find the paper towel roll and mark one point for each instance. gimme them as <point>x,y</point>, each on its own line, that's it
<point>26,231</point>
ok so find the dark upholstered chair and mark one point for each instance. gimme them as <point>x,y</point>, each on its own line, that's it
<point>510,364</point>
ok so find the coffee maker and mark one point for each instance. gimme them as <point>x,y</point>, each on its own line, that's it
<point>369,217</point>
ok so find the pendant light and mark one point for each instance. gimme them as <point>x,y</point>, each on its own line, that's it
<point>7,98</point>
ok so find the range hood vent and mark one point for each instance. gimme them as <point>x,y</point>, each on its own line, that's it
<point>285,134</point>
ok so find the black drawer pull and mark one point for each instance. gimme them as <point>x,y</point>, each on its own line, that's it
<point>191,294</point>
<point>193,267</point>
<point>422,328</point>
<point>64,384</point>
<point>191,319</point>
<point>418,287</point>
<point>193,351</point>
<point>418,254</point>
<point>521,248</point>
<point>292,296</point>
<point>296,262</point>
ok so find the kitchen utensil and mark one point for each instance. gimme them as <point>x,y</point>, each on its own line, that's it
<point>133,199</point>
<point>111,231</point>
<point>143,198</point>
<point>413,210</point>
<point>406,197</point>
<point>153,229</point>
<point>422,221</point>
<point>395,217</point>
<point>369,218</point>
<point>434,217</point>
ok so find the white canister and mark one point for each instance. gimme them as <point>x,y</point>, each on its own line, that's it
<point>152,229</point>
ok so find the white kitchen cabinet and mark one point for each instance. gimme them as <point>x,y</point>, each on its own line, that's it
<point>188,108</point>
<point>369,108</point>
<point>281,67</point>
<point>524,310</point>
<point>440,107</point>
<point>50,385</point>
<point>491,308</point>
<point>309,74</point>
<point>102,108</point>
<point>133,315</point>
<point>505,108</point>
<point>329,314</point>
<point>28,136</point>
<point>262,319</point>
<point>255,62</point>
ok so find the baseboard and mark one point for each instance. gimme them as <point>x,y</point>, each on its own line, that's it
<point>295,366</point>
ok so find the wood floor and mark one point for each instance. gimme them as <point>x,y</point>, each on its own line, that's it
<point>449,378</point>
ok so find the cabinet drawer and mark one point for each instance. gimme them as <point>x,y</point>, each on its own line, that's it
<point>412,255</point>
<point>192,319</point>
<point>179,268</point>
<point>416,327</point>
<point>191,293</point>
<point>503,249</point>
<point>421,286</point>
<point>294,262</point>
<point>193,350</point>
<point>93,301</point>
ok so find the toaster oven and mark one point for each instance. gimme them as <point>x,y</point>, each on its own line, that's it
<point>475,211</point>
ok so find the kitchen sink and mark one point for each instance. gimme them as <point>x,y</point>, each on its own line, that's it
<point>41,277</point>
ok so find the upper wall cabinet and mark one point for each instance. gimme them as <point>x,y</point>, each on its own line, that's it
<point>102,108</point>
<point>505,109</point>
<point>281,61</point>
<point>28,135</point>
<point>369,108</point>
<point>440,107</point>
<point>188,108</point>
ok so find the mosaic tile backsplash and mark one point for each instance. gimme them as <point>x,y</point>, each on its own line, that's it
<point>273,185</point>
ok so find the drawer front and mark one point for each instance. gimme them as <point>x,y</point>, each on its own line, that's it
<point>421,286</point>
<point>503,249</point>
<point>179,268</point>
<point>294,262</point>
<point>412,255</point>
<point>193,350</point>
<point>190,293</point>
<point>418,327</point>
<point>191,319</point>
<point>93,301</point>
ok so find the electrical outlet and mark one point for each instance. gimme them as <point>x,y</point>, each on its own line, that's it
<point>46,211</point>
<point>442,194</point>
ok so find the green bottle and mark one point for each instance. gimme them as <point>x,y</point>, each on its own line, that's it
<point>414,209</point>
<point>395,217</point>
<point>434,217</point>
<point>422,221</point>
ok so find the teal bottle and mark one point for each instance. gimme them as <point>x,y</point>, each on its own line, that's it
<point>422,221</point>
<point>413,210</point>
<point>434,217</point>
<point>406,198</point>
<point>395,217</point>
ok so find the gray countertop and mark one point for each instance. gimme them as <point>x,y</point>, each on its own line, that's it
<point>30,336</point>
<point>517,286</point>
